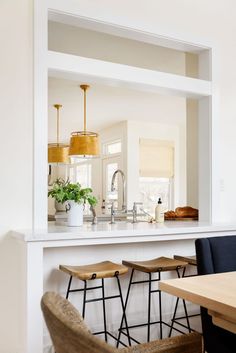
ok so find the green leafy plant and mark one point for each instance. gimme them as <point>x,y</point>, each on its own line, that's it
<point>63,191</point>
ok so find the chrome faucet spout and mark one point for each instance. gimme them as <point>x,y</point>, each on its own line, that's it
<point>123,184</point>
<point>94,220</point>
<point>112,214</point>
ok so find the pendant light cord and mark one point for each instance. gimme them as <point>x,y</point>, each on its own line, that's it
<point>58,127</point>
<point>85,127</point>
<point>84,88</point>
<point>58,106</point>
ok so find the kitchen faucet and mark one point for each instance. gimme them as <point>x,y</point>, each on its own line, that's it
<point>94,220</point>
<point>123,209</point>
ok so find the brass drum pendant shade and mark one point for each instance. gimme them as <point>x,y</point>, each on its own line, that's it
<point>84,143</point>
<point>58,152</point>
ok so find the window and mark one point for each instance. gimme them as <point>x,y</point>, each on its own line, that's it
<point>151,189</point>
<point>82,173</point>
<point>111,195</point>
<point>112,147</point>
<point>156,174</point>
<point>111,162</point>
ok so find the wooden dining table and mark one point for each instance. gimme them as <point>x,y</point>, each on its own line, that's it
<point>215,292</point>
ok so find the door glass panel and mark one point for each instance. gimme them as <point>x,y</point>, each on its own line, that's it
<point>112,195</point>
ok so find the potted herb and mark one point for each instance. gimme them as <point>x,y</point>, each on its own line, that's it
<point>74,198</point>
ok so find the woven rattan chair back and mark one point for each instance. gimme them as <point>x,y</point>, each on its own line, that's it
<point>69,333</point>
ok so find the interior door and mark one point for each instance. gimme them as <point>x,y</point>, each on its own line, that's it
<point>109,166</point>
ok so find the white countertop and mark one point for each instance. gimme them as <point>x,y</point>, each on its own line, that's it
<point>123,232</point>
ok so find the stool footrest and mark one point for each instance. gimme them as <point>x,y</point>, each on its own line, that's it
<point>184,317</point>
<point>109,334</point>
<point>82,289</point>
<point>145,281</point>
<point>175,321</point>
<point>99,299</point>
<point>151,323</point>
<point>183,325</point>
<point>146,323</point>
<point>131,338</point>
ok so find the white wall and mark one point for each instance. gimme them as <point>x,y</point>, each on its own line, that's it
<point>107,105</point>
<point>192,130</point>
<point>87,43</point>
<point>196,20</point>
<point>16,135</point>
<point>175,134</point>
<point>210,22</point>
<point>192,152</point>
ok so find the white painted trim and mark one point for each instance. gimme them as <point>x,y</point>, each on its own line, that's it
<point>205,158</point>
<point>71,13</point>
<point>33,252</point>
<point>123,232</point>
<point>33,267</point>
<point>74,67</point>
<point>215,143</point>
<point>31,315</point>
<point>205,65</point>
<point>40,116</point>
<point>61,68</point>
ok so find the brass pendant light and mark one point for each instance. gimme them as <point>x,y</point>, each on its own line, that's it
<point>58,152</point>
<point>84,144</point>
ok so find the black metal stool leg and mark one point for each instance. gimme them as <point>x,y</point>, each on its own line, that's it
<point>85,274</point>
<point>160,307</point>
<point>123,309</point>
<point>125,306</point>
<point>68,288</point>
<point>149,306</point>
<point>176,307</point>
<point>184,303</point>
<point>186,315</point>
<point>104,310</point>
<point>84,300</point>
<point>173,318</point>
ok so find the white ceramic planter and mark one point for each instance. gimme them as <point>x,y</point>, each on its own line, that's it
<point>59,207</point>
<point>75,213</point>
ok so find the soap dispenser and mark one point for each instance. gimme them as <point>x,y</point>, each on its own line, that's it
<point>159,212</point>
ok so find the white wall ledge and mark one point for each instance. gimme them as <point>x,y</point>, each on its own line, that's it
<point>73,67</point>
<point>40,253</point>
<point>122,232</point>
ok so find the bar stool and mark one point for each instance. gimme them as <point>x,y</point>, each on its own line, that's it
<point>101,271</point>
<point>192,261</point>
<point>158,265</point>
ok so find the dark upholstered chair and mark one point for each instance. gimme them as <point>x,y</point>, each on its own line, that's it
<point>215,255</point>
<point>70,334</point>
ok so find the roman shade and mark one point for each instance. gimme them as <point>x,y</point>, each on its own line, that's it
<point>156,158</point>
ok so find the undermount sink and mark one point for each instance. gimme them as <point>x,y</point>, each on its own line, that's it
<point>104,218</point>
<point>107,219</point>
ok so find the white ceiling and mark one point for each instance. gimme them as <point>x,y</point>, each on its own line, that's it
<point>109,105</point>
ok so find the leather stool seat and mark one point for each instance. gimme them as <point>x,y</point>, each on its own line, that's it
<point>152,268</point>
<point>100,271</point>
<point>105,269</point>
<point>159,264</point>
<point>191,260</point>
